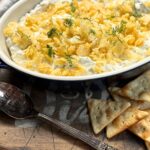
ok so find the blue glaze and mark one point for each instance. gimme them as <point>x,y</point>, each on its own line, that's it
<point>2,64</point>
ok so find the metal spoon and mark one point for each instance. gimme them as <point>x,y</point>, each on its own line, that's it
<point>16,104</point>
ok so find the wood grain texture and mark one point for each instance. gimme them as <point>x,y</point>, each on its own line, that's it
<point>39,138</point>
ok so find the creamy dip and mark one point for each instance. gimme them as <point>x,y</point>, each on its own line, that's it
<point>70,42</point>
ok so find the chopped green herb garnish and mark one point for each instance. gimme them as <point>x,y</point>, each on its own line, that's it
<point>118,29</point>
<point>122,26</point>
<point>115,32</point>
<point>111,17</point>
<point>68,22</point>
<point>51,52</point>
<point>69,60</point>
<point>119,39</point>
<point>85,18</point>
<point>73,8</point>
<point>92,31</point>
<point>136,14</point>
<point>52,32</point>
<point>26,39</point>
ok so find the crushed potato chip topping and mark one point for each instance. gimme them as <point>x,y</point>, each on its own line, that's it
<point>55,38</point>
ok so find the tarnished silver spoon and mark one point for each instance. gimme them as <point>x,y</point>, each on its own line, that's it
<point>16,104</point>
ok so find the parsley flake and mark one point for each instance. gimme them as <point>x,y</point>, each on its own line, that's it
<point>85,18</point>
<point>52,32</point>
<point>118,29</point>
<point>51,52</point>
<point>136,14</point>
<point>122,26</point>
<point>68,22</point>
<point>69,60</point>
<point>73,8</point>
<point>110,17</point>
<point>92,31</point>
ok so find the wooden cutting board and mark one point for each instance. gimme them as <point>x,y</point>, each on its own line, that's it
<point>64,101</point>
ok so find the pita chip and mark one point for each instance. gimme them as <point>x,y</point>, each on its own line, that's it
<point>114,90</point>
<point>136,104</point>
<point>142,105</point>
<point>147,145</point>
<point>103,112</point>
<point>125,120</point>
<point>138,89</point>
<point>145,96</point>
<point>142,128</point>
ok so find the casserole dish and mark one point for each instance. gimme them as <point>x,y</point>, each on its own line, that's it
<point>24,6</point>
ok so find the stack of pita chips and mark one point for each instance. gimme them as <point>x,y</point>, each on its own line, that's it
<point>129,109</point>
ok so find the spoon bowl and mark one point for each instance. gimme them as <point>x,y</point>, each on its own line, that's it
<point>15,102</point>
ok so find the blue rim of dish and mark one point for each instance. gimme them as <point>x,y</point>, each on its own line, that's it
<point>2,64</point>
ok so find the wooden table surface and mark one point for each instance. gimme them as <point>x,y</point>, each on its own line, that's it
<point>42,137</point>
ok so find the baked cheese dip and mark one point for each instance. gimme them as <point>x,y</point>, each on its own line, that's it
<point>80,37</point>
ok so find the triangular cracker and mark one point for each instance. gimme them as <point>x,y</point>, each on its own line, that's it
<point>147,145</point>
<point>142,128</point>
<point>102,112</point>
<point>142,105</point>
<point>136,104</point>
<point>138,89</point>
<point>114,90</point>
<point>125,120</point>
<point>145,96</point>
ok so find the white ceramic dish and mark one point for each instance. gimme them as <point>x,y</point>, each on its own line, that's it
<point>20,9</point>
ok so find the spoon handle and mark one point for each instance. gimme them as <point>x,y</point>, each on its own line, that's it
<point>88,139</point>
